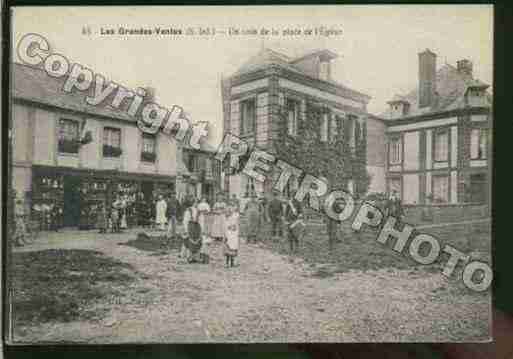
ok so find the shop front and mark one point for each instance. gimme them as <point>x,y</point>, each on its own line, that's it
<point>64,197</point>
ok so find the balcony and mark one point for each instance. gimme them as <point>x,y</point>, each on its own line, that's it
<point>202,175</point>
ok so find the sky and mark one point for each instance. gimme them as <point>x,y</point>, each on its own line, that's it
<point>377,47</point>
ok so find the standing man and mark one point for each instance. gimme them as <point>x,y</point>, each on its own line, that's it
<point>116,214</point>
<point>394,206</point>
<point>263,207</point>
<point>253,214</point>
<point>275,213</point>
<point>295,226</point>
<point>332,225</point>
<point>171,214</point>
<point>236,202</point>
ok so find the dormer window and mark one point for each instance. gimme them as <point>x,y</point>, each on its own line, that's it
<point>475,97</point>
<point>324,70</point>
<point>399,108</point>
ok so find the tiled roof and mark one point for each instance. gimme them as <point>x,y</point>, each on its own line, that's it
<point>35,85</point>
<point>451,86</point>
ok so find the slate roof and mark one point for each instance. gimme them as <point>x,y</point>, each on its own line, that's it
<point>267,57</point>
<point>451,86</point>
<point>35,85</point>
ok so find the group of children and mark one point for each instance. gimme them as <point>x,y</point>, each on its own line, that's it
<point>196,239</point>
<point>116,221</point>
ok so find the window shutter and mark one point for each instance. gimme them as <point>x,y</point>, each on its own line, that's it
<point>235,118</point>
<point>346,125</point>
<point>474,144</point>
<point>281,99</point>
<point>356,132</point>
<point>301,117</point>
<point>242,128</point>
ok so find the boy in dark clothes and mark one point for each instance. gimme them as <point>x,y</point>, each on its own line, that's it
<point>275,212</point>
<point>293,216</point>
<point>171,214</point>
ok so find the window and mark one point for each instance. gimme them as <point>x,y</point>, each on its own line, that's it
<point>191,162</point>
<point>208,167</point>
<point>324,127</point>
<point>478,143</point>
<point>478,188</point>
<point>68,136</point>
<point>395,151</point>
<point>149,153</point>
<point>250,186</point>
<point>111,142</point>
<point>292,116</point>
<point>394,185</point>
<point>334,127</point>
<point>248,116</point>
<point>441,189</point>
<point>442,146</point>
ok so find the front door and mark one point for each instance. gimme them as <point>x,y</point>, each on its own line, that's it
<point>208,192</point>
<point>71,201</point>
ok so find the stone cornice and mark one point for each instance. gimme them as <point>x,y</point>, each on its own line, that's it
<point>276,70</point>
<point>438,115</point>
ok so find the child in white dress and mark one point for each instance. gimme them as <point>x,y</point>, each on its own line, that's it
<point>231,244</point>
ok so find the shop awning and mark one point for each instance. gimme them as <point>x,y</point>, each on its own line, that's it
<point>102,174</point>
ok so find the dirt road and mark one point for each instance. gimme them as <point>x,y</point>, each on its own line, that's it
<point>268,297</point>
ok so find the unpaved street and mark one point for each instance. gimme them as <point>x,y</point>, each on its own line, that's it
<point>268,297</point>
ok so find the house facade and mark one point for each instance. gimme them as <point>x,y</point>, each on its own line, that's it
<point>75,157</point>
<point>274,102</point>
<point>438,137</point>
<point>203,172</point>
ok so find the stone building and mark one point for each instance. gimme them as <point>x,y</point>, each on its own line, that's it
<point>75,156</point>
<point>438,136</point>
<point>204,172</point>
<point>274,100</point>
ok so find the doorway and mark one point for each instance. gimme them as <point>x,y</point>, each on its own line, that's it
<point>208,192</point>
<point>146,205</point>
<point>71,208</point>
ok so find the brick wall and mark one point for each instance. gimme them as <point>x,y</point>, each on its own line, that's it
<point>447,213</point>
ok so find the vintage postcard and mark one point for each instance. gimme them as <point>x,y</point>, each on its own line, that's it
<point>250,174</point>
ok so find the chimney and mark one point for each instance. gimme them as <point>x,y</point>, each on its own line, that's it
<point>427,78</point>
<point>464,67</point>
<point>150,94</point>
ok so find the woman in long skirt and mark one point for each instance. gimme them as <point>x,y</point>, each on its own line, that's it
<point>124,205</point>
<point>160,210</point>
<point>101,220</point>
<point>203,212</point>
<point>253,214</point>
<point>231,242</point>
<point>219,213</point>
<point>192,240</point>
